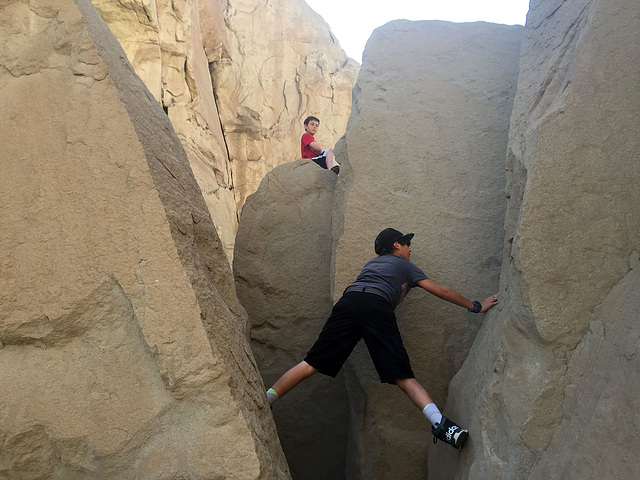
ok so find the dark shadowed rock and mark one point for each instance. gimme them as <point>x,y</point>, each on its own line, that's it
<point>282,268</point>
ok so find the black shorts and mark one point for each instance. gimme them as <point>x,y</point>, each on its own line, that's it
<point>361,315</point>
<point>321,160</point>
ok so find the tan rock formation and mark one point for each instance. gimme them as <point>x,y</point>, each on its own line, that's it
<point>282,270</point>
<point>169,45</point>
<point>424,152</point>
<point>272,63</point>
<point>284,64</point>
<point>547,386</point>
<point>123,345</point>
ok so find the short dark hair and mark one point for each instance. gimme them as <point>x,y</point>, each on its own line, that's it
<point>308,119</point>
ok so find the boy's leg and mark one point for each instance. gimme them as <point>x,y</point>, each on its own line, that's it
<point>420,398</point>
<point>327,160</point>
<point>293,377</point>
<point>320,160</point>
<point>443,428</point>
<point>331,162</point>
<point>337,339</point>
<point>330,159</point>
<point>415,392</point>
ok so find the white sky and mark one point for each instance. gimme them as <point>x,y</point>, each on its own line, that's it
<point>352,21</point>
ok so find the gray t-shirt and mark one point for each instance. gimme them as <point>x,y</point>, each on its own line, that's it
<point>392,274</point>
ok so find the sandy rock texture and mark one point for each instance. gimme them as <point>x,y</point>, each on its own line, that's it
<point>424,153</point>
<point>548,387</point>
<point>123,345</point>
<point>170,45</point>
<point>283,279</point>
<point>236,79</point>
<point>283,65</point>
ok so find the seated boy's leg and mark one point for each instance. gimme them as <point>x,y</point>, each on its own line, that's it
<point>330,159</point>
<point>331,162</point>
<point>321,160</point>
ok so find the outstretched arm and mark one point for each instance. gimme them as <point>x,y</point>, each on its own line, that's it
<point>454,297</point>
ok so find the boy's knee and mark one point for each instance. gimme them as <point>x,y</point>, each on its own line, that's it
<point>308,369</point>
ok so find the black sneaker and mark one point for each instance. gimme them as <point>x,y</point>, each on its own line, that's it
<point>336,169</point>
<point>450,433</point>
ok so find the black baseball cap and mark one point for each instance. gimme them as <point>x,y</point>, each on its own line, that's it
<point>387,237</point>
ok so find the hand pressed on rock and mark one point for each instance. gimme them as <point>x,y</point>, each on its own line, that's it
<point>489,303</point>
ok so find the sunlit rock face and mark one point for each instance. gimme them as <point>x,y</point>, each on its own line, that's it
<point>282,268</point>
<point>549,387</point>
<point>123,345</point>
<point>169,45</point>
<point>424,153</point>
<point>283,65</point>
<point>236,79</point>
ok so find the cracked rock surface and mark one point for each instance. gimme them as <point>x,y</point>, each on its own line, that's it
<point>124,350</point>
<point>547,384</point>
<point>236,78</point>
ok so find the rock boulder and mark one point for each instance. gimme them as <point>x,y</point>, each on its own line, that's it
<point>123,345</point>
<point>236,79</point>
<point>547,386</point>
<point>424,152</point>
<point>283,65</point>
<point>169,45</point>
<point>282,271</point>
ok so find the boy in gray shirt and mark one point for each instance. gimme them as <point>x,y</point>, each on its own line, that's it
<point>366,311</point>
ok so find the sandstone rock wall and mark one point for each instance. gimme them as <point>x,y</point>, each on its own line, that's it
<point>236,79</point>
<point>547,386</point>
<point>169,45</point>
<point>424,152</point>
<point>282,270</point>
<point>122,341</point>
<point>283,65</point>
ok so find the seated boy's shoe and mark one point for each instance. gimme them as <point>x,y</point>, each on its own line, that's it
<point>449,432</point>
<point>336,169</point>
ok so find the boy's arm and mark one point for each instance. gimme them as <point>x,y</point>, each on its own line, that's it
<point>313,145</point>
<point>317,149</point>
<point>454,297</point>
